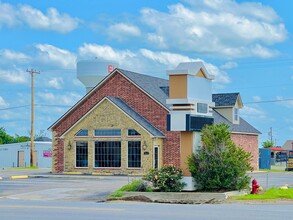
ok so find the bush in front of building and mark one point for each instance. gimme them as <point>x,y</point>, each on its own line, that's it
<point>166,179</point>
<point>219,164</point>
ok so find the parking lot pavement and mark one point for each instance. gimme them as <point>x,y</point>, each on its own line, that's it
<point>8,172</point>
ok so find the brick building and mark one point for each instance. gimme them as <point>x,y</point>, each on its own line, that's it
<point>120,126</point>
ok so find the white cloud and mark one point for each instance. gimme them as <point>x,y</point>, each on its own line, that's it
<point>104,52</point>
<point>52,20</point>
<point>158,40</point>
<point>146,60</point>
<point>229,65</point>
<point>7,15</point>
<point>50,98</point>
<point>248,32</point>
<point>15,76</point>
<point>3,104</point>
<point>288,103</point>
<point>256,98</point>
<point>253,112</point>
<point>56,82</point>
<point>51,55</point>
<point>122,31</point>
<point>16,57</point>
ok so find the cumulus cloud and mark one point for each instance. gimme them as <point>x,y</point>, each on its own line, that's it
<point>3,104</point>
<point>51,20</point>
<point>217,27</point>
<point>123,31</point>
<point>288,103</point>
<point>142,59</point>
<point>10,55</point>
<point>105,52</point>
<point>256,98</point>
<point>51,55</point>
<point>229,65</point>
<point>15,76</point>
<point>69,98</point>
<point>253,112</point>
<point>56,82</point>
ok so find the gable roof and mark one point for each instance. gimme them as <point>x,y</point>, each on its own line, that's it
<point>136,117</point>
<point>242,127</point>
<point>225,99</point>
<point>129,112</point>
<point>156,87</point>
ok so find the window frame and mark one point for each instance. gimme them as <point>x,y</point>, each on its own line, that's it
<point>81,130</point>
<point>76,147</point>
<point>236,114</point>
<point>140,158</point>
<point>200,106</point>
<point>97,161</point>
<point>107,135</point>
<point>130,135</point>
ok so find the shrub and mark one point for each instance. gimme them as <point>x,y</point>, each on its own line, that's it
<point>219,164</point>
<point>131,187</point>
<point>167,179</point>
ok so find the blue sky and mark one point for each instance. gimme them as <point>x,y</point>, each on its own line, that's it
<point>247,45</point>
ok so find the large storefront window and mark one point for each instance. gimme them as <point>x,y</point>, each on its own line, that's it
<point>107,154</point>
<point>134,154</point>
<point>81,159</point>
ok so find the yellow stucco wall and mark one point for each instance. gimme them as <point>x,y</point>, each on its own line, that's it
<point>108,116</point>
<point>178,86</point>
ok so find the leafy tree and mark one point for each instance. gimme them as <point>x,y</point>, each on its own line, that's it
<point>219,164</point>
<point>267,144</point>
<point>8,139</point>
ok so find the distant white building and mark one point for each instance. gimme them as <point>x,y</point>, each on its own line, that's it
<point>18,154</point>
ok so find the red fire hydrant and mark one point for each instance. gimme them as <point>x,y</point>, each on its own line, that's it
<point>254,186</point>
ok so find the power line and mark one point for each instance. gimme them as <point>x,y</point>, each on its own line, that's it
<point>270,101</point>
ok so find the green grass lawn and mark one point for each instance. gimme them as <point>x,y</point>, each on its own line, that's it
<point>272,193</point>
<point>23,168</point>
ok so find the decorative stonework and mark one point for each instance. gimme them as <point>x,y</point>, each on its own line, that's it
<point>108,116</point>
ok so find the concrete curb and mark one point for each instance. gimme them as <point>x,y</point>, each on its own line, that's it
<point>19,177</point>
<point>179,197</point>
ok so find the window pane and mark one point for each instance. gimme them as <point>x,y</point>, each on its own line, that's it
<point>81,154</point>
<point>134,154</point>
<point>82,133</point>
<point>107,154</point>
<point>133,132</point>
<point>107,132</point>
<point>236,114</point>
<point>202,108</point>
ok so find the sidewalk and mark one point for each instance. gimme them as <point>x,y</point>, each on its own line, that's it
<point>17,173</point>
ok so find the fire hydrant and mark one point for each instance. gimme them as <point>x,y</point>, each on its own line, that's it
<point>254,186</point>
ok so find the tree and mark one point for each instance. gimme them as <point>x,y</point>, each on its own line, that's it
<point>219,164</point>
<point>8,139</point>
<point>267,144</point>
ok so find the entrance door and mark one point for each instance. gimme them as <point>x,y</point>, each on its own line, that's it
<point>36,162</point>
<point>156,157</point>
<point>20,159</point>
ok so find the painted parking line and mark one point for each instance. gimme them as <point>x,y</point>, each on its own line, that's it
<point>18,177</point>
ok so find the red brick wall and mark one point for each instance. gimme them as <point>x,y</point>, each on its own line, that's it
<point>248,143</point>
<point>118,86</point>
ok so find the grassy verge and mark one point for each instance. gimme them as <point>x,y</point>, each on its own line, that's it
<point>273,170</point>
<point>271,193</point>
<point>134,186</point>
<point>23,168</point>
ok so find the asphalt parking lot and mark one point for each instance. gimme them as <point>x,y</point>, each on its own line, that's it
<point>43,186</point>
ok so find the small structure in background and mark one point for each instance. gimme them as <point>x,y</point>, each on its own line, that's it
<point>289,166</point>
<point>18,154</point>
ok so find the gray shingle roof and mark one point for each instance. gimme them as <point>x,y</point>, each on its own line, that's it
<point>135,116</point>
<point>158,88</point>
<point>225,99</point>
<point>243,126</point>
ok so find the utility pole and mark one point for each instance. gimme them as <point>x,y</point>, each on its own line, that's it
<point>32,160</point>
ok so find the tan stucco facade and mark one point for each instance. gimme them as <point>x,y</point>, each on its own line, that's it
<point>178,85</point>
<point>106,115</point>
